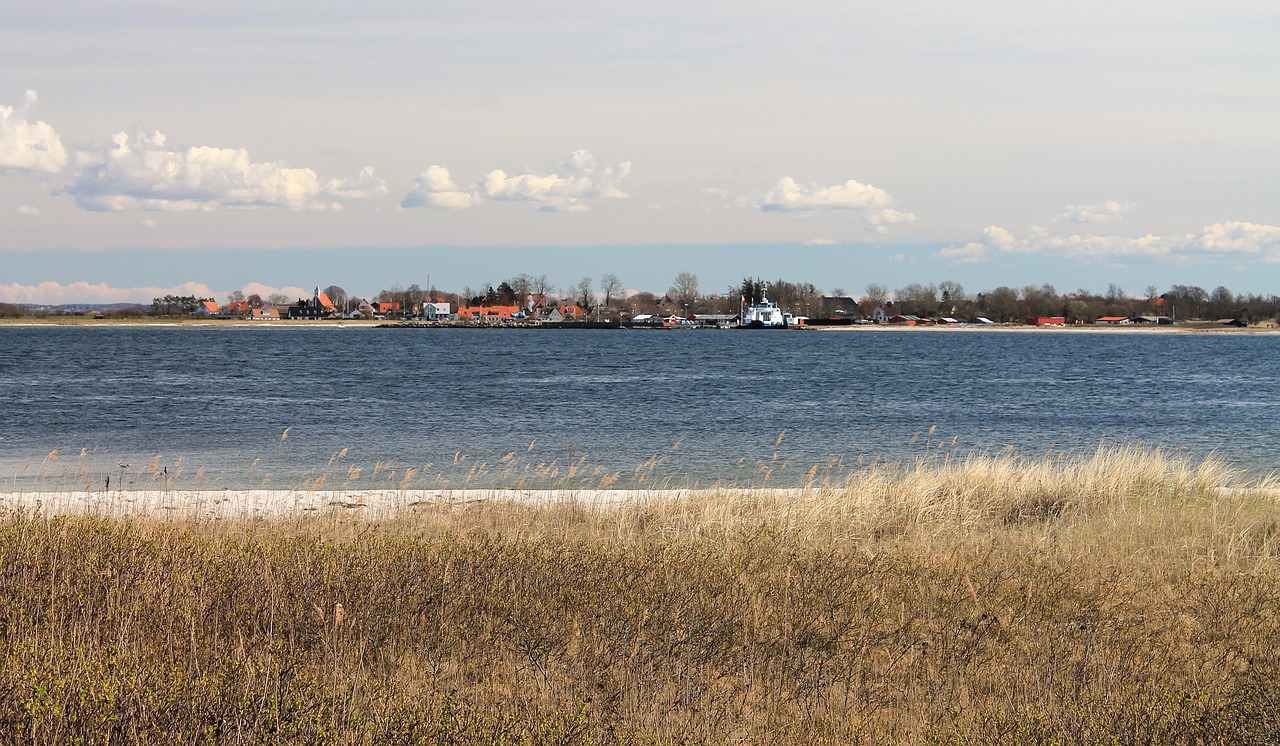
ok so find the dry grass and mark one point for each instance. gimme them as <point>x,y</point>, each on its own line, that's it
<point>1126,597</point>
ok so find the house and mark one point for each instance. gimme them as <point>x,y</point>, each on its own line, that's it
<point>881,315</point>
<point>572,312</point>
<point>306,310</point>
<point>1047,321</point>
<point>265,314</point>
<point>535,300</point>
<point>1157,320</point>
<point>1111,320</point>
<point>907,319</point>
<point>983,320</point>
<point>1231,322</point>
<point>487,313</point>
<point>840,305</point>
<point>718,320</point>
<point>207,308</point>
<point>387,308</point>
<point>436,310</point>
<point>238,308</point>
<point>318,307</point>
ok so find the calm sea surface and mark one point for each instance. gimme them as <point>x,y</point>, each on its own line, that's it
<point>373,407</point>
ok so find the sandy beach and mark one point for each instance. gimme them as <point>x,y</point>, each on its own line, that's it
<point>231,504</point>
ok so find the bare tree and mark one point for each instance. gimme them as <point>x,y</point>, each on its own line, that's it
<point>918,299</point>
<point>1221,304</point>
<point>951,296</point>
<point>521,285</point>
<point>685,289</point>
<point>583,293</point>
<point>1001,303</point>
<point>877,295</point>
<point>642,302</point>
<point>610,286</point>
<point>235,296</point>
<point>1040,301</point>
<point>414,295</point>
<point>337,295</point>
<point>277,299</point>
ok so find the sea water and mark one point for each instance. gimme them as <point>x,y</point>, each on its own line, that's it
<point>283,406</point>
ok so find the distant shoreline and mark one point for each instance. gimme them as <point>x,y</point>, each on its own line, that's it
<point>1196,327</point>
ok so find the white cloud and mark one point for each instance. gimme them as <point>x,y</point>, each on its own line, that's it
<point>257,288</point>
<point>1101,212</point>
<point>574,187</point>
<point>143,172</point>
<point>888,216</point>
<point>1235,237</point>
<point>998,237</point>
<point>55,293</point>
<point>147,223</point>
<point>872,203</point>
<point>820,242</point>
<point>29,147</point>
<point>26,211</point>
<point>366,185</point>
<point>435,188</point>
<point>993,237</point>
<point>1258,242</point>
<point>968,254</point>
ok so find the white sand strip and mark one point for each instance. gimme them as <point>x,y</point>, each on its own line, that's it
<point>220,504</point>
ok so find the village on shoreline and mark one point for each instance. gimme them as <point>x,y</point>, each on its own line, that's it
<point>1182,327</point>
<point>531,303</point>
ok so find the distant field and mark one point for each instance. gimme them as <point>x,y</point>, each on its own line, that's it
<point>1126,597</point>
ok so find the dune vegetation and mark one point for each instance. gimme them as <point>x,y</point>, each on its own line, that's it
<point>1127,596</point>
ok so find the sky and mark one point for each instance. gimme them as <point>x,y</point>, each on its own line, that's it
<point>201,147</point>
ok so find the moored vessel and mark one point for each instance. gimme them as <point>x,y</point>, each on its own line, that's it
<point>764,314</point>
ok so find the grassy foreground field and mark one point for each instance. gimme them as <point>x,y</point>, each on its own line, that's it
<point>1121,598</point>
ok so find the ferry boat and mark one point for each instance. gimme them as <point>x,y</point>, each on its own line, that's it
<point>764,314</point>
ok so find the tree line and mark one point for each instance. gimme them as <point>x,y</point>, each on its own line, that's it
<point>948,298</point>
<point>685,296</point>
